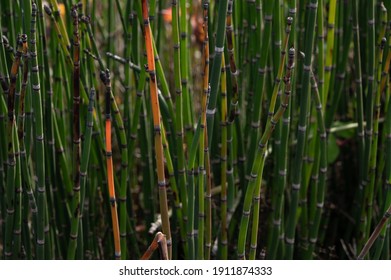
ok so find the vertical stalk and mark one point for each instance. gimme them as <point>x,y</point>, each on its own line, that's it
<point>215,73</point>
<point>179,109</point>
<point>322,154</point>
<point>4,81</point>
<point>223,157</point>
<point>254,186</point>
<point>184,54</point>
<point>12,167</point>
<point>202,198</point>
<point>119,125</point>
<point>26,176</point>
<point>76,137</point>
<point>302,129</point>
<point>329,50</point>
<point>373,157</point>
<point>260,83</point>
<point>208,201</point>
<point>105,77</point>
<point>380,246</point>
<point>157,128</point>
<point>277,229</point>
<point>370,99</point>
<point>359,100</point>
<point>39,141</point>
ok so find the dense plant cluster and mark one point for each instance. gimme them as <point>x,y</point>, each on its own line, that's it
<point>195,129</point>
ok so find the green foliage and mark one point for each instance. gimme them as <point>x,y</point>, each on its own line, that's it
<point>241,129</point>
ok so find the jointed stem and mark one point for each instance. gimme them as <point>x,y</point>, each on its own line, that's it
<point>157,128</point>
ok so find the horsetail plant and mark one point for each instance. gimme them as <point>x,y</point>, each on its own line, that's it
<point>179,110</point>
<point>158,242</point>
<point>184,39</point>
<point>204,192</point>
<point>12,149</point>
<point>78,155</point>
<point>321,182</point>
<point>76,135</point>
<point>215,70</point>
<point>204,203</point>
<point>302,129</point>
<point>253,189</point>
<point>157,128</point>
<point>375,234</point>
<point>39,141</point>
<point>260,82</point>
<point>374,143</point>
<point>105,77</point>
<point>223,157</point>
<point>370,92</point>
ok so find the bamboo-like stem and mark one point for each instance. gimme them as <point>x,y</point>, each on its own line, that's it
<point>76,136</point>
<point>60,22</point>
<point>64,42</point>
<point>359,100</point>
<point>375,234</point>
<point>17,225</point>
<point>28,184</point>
<point>122,198</point>
<point>12,157</point>
<point>105,77</point>
<point>51,184</point>
<point>3,143</point>
<point>223,245</point>
<point>111,24</point>
<point>201,167</point>
<point>147,163</point>
<point>39,144</point>
<point>136,114</point>
<point>273,119</point>
<point>260,84</point>
<point>215,72</point>
<point>182,180</point>
<point>20,155</point>
<point>253,190</point>
<point>158,242</point>
<point>184,54</point>
<point>234,107</point>
<point>368,113</point>
<point>276,40</point>
<point>174,188</point>
<point>322,154</point>
<point>234,104</point>
<point>387,201</point>
<point>85,157</point>
<point>123,61</point>
<point>373,158</point>
<point>302,131</point>
<point>329,50</point>
<point>125,180</point>
<point>4,82</point>
<point>340,71</point>
<point>157,128</point>
<point>208,201</point>
<point>233,111</point>
<point>321,41</point>
<point>123,147</point>
<point>311,166</point>
<point>192,171</point>
<point>232,93</point>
